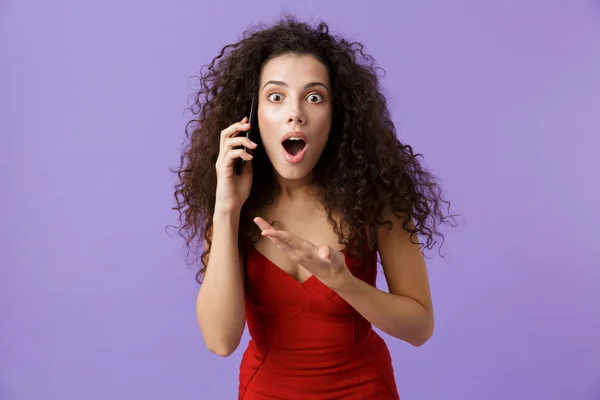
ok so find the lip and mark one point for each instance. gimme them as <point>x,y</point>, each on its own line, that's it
<point>298,134</point>
<point>294,159</point>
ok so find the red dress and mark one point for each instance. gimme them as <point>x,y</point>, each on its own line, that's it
<point>307,342</point>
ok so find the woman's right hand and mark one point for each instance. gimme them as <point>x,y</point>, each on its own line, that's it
<point>233,190</point>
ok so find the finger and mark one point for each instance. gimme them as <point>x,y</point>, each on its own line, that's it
<point>271,232</point>
<point>301,256</point>
<point>262,224</point>
<point>289,242</point>
<point>281,245</point>
<point>232,130</point>
<point>324,253</point>
<point>302,248</point>
<point>230,152</point>
<point>267,229</point>
<point>289,238</point>
<point>226,161</point>
<point>239,141</point>
<point>239,153</point>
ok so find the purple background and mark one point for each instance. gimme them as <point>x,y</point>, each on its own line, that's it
<point>502,97</point>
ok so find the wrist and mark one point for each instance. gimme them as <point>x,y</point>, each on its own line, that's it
<point>344,283</point>
<point>226,216</point>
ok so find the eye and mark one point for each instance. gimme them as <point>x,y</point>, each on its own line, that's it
<point>276,97</point>
<point>315,98</point>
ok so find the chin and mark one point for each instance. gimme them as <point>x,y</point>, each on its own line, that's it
<point>293,172</point>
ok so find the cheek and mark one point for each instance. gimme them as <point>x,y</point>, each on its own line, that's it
<point>323,114</point>
<point>268,121</point>
<point>323,121</point>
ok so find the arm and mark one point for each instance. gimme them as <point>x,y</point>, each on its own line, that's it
<point>406,312</point>
<point>220,305</point>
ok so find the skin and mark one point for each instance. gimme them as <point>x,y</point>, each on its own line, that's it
<point>307,246</point>
<point>294,95</point>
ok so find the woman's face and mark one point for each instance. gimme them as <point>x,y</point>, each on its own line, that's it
<point>294,101</point>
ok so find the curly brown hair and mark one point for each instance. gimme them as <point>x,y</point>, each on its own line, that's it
<point>364,168</point>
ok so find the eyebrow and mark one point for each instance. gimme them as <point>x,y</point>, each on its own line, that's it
<point>307,86</point>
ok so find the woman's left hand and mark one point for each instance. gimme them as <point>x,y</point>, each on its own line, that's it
<point>326,264</point>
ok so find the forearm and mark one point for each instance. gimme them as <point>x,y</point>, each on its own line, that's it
<point>396,315</point>
<point>220,305</point>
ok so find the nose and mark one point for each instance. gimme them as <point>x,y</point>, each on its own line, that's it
<point>296,116</point>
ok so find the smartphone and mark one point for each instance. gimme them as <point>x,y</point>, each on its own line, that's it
<point>239,163</point>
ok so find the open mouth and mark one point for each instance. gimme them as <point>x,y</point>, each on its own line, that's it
<point>294,145</point>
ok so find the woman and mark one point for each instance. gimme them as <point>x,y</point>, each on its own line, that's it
<point>290,244</point>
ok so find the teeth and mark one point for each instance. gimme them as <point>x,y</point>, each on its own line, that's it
<point>295,138</point>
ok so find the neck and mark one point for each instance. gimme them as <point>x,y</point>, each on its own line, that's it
<point>294,190</point>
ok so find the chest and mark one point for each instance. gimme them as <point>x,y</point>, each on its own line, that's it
<point>308,223</point>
